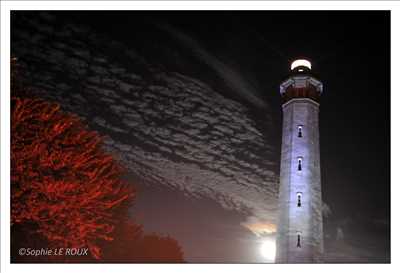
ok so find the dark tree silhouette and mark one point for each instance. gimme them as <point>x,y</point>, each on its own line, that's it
<point>162,249</point>
<point>130,244</point>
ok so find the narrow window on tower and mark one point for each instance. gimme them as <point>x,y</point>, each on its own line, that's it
<point>299,199</point>
<point>299,161</point>
<point>299,131</point>
<point>298,239</point>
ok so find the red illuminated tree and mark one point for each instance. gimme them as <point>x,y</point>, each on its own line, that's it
<point>61,179</point>
<point>66,191</point>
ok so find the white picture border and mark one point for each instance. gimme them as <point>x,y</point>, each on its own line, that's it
<point>7,6</point>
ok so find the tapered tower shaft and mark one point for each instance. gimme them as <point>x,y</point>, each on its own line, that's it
<point>300,234</point>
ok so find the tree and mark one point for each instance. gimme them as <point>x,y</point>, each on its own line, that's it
<point>66,191</point>
<point>130,244</point>
<point>62,181</point>
<point>160,249</point>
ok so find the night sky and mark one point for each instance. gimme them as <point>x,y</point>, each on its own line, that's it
<point>243,56</point>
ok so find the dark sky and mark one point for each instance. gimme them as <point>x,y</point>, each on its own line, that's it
<point>349,50</point>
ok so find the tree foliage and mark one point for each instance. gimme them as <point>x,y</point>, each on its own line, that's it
<point>66,191</point>
<point>132,245</point>
<point>61,179</point>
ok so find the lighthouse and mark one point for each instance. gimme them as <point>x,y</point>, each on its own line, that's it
<point>300,233</point>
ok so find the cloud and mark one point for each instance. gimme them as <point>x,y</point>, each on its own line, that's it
<point>259,227</point>
<point>233,79</point>
<point>326,210</point>
<point>169,128</point>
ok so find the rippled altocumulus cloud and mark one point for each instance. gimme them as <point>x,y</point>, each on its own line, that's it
<point>168,128</point>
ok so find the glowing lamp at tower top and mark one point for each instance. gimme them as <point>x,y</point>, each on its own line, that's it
<point>300,62</point>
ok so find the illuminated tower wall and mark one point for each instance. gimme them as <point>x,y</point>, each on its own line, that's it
<point>300,234</point>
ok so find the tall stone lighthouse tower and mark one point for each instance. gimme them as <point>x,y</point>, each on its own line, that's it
<point>300,234</point>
